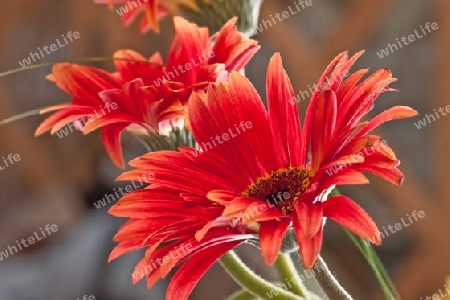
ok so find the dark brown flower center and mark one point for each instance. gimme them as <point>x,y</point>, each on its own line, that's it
<point>281,188</point>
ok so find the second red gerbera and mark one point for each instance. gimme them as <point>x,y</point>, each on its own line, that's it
<point>145,96</point>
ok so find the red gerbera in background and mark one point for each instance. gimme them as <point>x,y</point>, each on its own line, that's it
<point>254,175</point>
<point>114,101</point>
<point>153,11</point>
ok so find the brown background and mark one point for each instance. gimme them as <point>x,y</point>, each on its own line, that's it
<point>57,180</point>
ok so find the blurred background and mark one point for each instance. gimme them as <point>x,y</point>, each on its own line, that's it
<point>58,180</point>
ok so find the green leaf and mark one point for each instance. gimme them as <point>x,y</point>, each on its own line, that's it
<point>366,249</point>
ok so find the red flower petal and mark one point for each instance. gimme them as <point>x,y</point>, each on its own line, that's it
<point>350,215</point>
<point>259,211</point>
<point>392,175</point>
<point>111,140</point>
<point>341,70</point>
<point>312,104</point>
<point>348,175</point>
<point>310,248</point>
<point>140,228</point>
<point>361,99</point>
<point>348,85</point>
<point>66,115</point>
<point>218,102</point>
<point>323,126</point>
<point>393,113</point>
<point>174,169</point>
<point>238,206</point>
<point>309,218</point>
<point>187,277</point>
<point>271,235</point>
<point>246,105</point>
<point>84,83</point>
<point>222,196</point>
<point>283,113</point>
<point>131,65</point>
<point>232,48</point>
<point>123,248</point>
<point>205,126</point>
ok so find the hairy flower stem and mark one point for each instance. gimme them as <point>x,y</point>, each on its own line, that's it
<point>243,295</point>
<point>252,282</point>
<point>328,282</point>
<point>288,273</point>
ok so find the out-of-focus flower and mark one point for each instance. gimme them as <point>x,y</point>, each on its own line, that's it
<point>145,96</point>
<point>254,174</point>
<point>215,13</point>
<point>152,10</point>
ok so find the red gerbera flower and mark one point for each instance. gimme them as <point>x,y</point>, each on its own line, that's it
<point>116,101</point>
<point>153,11</point>
<point>254,175</point>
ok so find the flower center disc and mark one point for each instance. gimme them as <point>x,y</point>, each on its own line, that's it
<point>281,188</point>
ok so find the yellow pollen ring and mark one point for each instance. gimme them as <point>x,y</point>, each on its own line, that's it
<point>281,188</point>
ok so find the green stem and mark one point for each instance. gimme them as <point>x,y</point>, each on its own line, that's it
<point>328,283</point>
<point>242,295</point>
<point>252,282</point>
<point>376,265</point>
<point>287,271</point>
<point>386,284</point>
<point>377,261</point>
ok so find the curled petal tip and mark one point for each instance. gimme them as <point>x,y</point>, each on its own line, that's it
<point>376,239</point>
